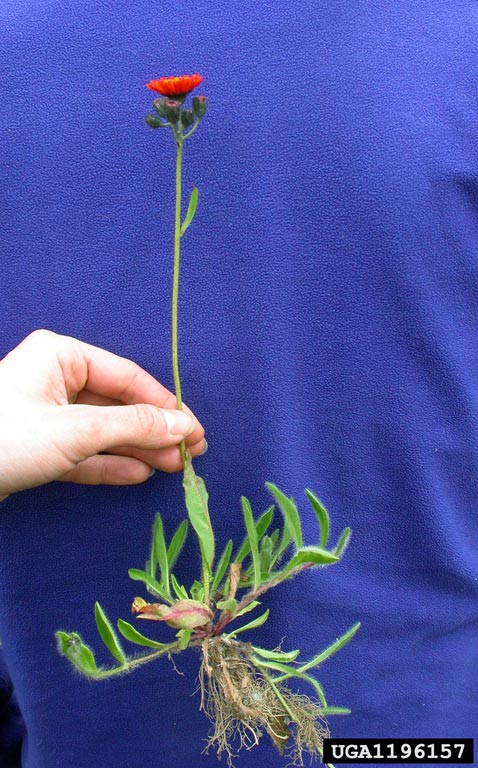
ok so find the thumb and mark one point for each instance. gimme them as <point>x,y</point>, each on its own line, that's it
<point>90,429</point>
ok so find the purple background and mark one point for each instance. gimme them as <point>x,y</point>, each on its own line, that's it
<point>329,339</point>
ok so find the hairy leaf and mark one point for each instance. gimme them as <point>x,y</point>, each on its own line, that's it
<point>181,592</point>
<point>71,645</point>
<point>247,608</point>
<point>222,566</point>
<point>275,537</point>
<point>197,591</point>
<point>177,543</point>
<point>161,554</point>
<point>252,535</point>
<point>108,635</point>
<point>261,527</point>
<point>266,555</point>
<point>322,517</point>
<point>132,634</point>
<point>184,638</point>
<point>290,513</point>
<point>252,624</point>
<point>152,585</point>
<point>197,504</point>
<point>343,542</point>
<point>193,202</point>
<point>283,656</point>
<point>333,648</point>
<point>315,555</point>
<point>228,605</point>
<point>292,672</point>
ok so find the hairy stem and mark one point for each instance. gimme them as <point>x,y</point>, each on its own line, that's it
<point>177,264</point>
<point>227,617</point>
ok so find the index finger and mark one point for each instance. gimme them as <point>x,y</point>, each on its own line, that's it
<point>118,378</point>
<point>52,366</point>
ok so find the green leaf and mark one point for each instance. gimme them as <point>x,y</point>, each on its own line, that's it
<point>266,555</point>
<point>292,672</point>
<point>71,645</point>
<point>315,555</point>
<point>161,553</point>
<point>197,504</point>
<point>322,517</point>
<point>336,711</point>
<point>222,566</point>
<point>275,537</point>
<point>252,534</point>
<point>181,592</point>
<point>177,544</point>
<point>153,586</point>
<point>285,541</point>
<point>261,527</point>
<point>193,202</point>
<point>290,513</point>
<point>333,648</point>
<point>197,591</point>
<point>184,638</point>
<point>228,605</point>
<point>247,608</point>
<point>152,564</point>
<point>343,542</point>
<point>132,634</point>
<point>276,655</point>
<point>252,624</point>
<point>264,522</point>
<point>108,635</point>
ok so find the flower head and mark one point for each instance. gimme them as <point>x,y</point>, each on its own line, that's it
<point>183,614</point>
<point>175,86</point>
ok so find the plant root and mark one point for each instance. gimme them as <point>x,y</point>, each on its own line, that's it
<point>242,701</point>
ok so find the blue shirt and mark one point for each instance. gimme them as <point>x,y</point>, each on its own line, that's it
<point>328,339</point>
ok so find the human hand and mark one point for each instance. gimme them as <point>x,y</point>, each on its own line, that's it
<point>64,403</point>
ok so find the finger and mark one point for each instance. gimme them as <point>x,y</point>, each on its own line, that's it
<point>167,459</point>
<point>89,398</point>
<point>121,379</point>
<point>48,366</point>
<point>85,397</point>
<point>109,470</point>
<point>72,365</point>
<point>171,460</point>
<point>85,430</point>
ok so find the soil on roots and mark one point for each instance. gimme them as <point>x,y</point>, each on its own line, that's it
<point>243,701</point>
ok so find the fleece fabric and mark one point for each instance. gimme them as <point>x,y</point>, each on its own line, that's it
<point>328,339</point>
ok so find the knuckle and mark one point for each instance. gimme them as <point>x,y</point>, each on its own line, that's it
<point>42,336</point>
<point>170,402</point>
<point>146,419</point>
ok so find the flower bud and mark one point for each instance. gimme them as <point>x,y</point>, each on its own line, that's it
<point>200,105</point>
<point>187,117</point>
<point>154,121</point>
<point>159,105</point>
<point>182,614</point>
<point>171,110</point>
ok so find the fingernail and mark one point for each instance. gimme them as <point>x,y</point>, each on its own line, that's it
<point>178,422</point>
<point>204,449</point>
<point>152,471</point>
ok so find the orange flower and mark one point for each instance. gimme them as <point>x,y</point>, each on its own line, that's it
<point>175,86</point>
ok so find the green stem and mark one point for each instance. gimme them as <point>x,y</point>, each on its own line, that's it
<point>132,663</point>
<point>177,264</point>
<point>101,674</point>
<point>193,129</point>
